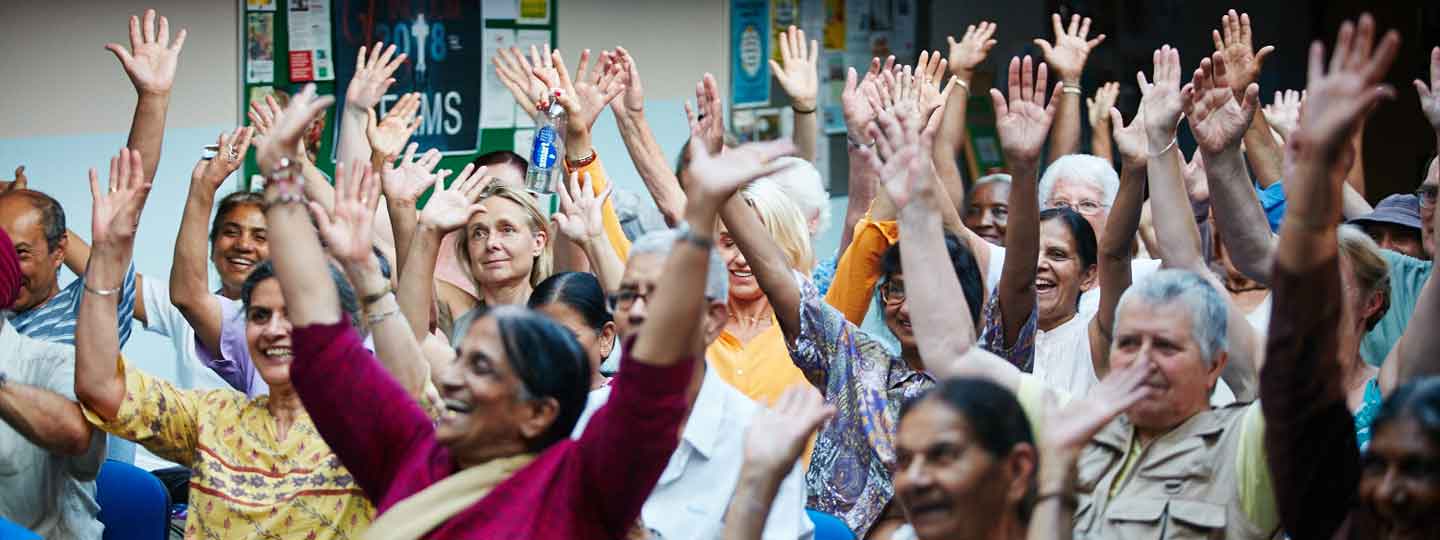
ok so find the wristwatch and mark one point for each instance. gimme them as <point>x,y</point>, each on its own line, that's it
<point>688,235</point>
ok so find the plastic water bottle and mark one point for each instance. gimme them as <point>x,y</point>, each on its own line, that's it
<point>540,178</point>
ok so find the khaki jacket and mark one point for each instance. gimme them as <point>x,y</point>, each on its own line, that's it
<point>1183,486</point>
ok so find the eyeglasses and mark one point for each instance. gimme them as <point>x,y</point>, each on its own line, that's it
<point>624,298</point>
<point>1084,208</point>
<point>892,293</point>
<point>1427,194</point>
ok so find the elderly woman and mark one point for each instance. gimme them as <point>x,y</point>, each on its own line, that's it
<point>987,208</point>
<point>500,462</point>
<point>260,466</point>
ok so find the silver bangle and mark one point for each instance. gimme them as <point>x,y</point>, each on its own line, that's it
<point>372,319</point>
<point>100,292</point>
<point>1166,149</point>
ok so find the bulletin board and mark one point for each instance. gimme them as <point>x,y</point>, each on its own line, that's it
<point>285,44</point>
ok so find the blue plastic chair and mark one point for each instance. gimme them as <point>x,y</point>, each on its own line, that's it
<point>828,527</point>
<point>133,503</point>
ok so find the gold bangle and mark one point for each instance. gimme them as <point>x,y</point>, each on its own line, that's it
<point>1166,149</point>
<point>961,83</point>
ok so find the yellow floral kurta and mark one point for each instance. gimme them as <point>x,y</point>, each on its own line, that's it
<point>245,481</point>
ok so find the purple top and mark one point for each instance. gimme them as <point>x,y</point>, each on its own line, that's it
<point>591,487</point>
<point>233,363</point>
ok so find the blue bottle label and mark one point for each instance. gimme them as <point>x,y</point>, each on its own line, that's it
<point>542,154</point>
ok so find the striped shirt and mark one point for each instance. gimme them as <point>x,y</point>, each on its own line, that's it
<point>54,321</point>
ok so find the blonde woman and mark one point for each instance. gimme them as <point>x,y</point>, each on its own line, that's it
<point>751,353</point>
<point>504,251</point>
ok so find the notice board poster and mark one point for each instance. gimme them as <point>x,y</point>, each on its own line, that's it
<point>749,53</point>
<point>445,44</point>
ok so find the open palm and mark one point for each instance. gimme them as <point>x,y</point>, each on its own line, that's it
<point>1338,96</point>
<point>713,179</point>
<point>777,435</point>
<point>1236,46</point>
<point>405,183</point>
<point>972,48</point>
<point>1216,120</point>
<point>115,212</point>
<point>581,218</point>
<point>1023,122</point>
<point>799,73</point>
<point>1071,48</point>
<point>389,135</point>
<point>1161,99</point>
<point>448,209</point>
<point>373,75</point>
<point>230,156</point>
<point>151,61</point>
<point>1430,94</point>
<point>347,227</point>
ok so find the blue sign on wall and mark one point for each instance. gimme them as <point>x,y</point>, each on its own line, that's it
<point>446,48</point>
<point>750,53</point>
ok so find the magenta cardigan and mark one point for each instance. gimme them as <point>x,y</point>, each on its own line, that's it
<point>593,487</point>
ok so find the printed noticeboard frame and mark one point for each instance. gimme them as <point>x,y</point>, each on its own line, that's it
<point>352,16</point>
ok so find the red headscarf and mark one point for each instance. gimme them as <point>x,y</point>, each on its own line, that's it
<point>9,271</point>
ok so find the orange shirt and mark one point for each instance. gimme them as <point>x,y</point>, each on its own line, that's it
<point>761,368</point>
<point>859,268</point>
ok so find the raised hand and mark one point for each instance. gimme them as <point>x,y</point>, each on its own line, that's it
<point>211,173</point>
<point>347,227</point>
<point>518,76</point>
<point>778,434</point>
<point>1023,121</point>
<point>20,182</point>
<point>584,96</point>
<point>1430,95</point>
<point>153,56</point>
<point>855,105</point>
<point>929,76</point>
<point>373,76</point>
<point>1070,429</point>
<point>1161,99</point>
<point>1216,120</point>
<point>634,99</point>
<point>1100,105</point>
<point>284,139</point>
<point>450,208</point>
<point>1067,56</point>
<point>708,125</point>
<point>1130,140</point>
<point>1337,98</point>
<point>580,218</point>
<point>388,136</point>
<point>971,50</point>
<point>403,185</point>
<point>1235,45</point>
<point>901,156</point>
<point>1284,114</point>
<point>115,212</point>
<point>799,74</point>
<point>711,179</point>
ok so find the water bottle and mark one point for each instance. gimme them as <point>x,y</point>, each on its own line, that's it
<point>540,178</point>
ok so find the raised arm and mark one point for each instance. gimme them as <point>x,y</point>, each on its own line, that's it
<point>965,55</point>
<point>1098,111</point>
<point>346,229</point>
<point>1162,103</point>
<point>773,444</point>
<point>115,214</point>
<point>150,63</point>
<point>1118,242</point>
<point>645,152</point>
<point>1218,122</point>
<point>403,186</point>
<point>1284,113</point>
<point>1309,432</point>
<point>1234,42</point>
<point>1022,124</point>
<point>944,332</point>
<point>447,210</point>
<point>1067,58</point>
<point>798,73</point>
<point>581,221</point>
<point>858,115</point>
<point>189,281</point>
<point>712,181</point>
<point>374,67</point>
<point>1414,355</point>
